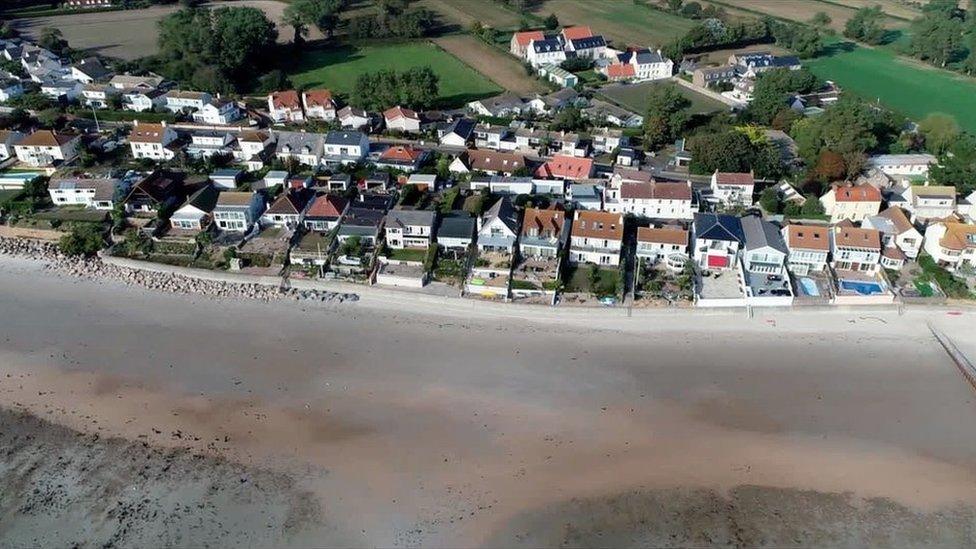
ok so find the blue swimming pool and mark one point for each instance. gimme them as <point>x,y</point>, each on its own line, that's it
<point>862,287</point>
<point>809,287</point>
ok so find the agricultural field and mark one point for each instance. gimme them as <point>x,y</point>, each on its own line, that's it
<point>634,97</point>
<point>622,21</point>
<point>464,12</point>
<point>904,85</point>
<point>799,10</point>
<point>338,69</point>
<point>895,8</point>
<point>501,68</point>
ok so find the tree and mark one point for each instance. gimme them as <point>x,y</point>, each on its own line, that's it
<point>769,200</point>
<point>821,20</point>
<point>322,14</point>
<point>84,239</point>
<point>416,88</point>
<point>52,39</point>
<point>812,206</point>
<point>551,22</point>
<point>940,131</point>
<point>568,120</point>
<point>726,151</point>
<point>937,38</point>
<point>667,115</point>
<point>867,25</point>
<point>675,5</point>
<point>957,166</point>
<point>830,167</point>
<point>773,89</point>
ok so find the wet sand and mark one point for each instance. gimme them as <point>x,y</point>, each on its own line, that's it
<point>392,427</point>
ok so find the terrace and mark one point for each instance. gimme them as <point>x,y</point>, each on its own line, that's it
<point>859,288</point>
<point>535,275</point>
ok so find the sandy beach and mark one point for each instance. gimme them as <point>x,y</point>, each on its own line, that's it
<point>136,418</point>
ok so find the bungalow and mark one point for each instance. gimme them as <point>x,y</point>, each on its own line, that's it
<point>325,212</point>
<point>808,247</point>
<point>401,119</point>
<point>951,244</point>
<point>656,243</point>
<point>717,239</point>
<point>237,211</point>
<point>521,40</point>
<point>185,101</point>
<point>658,200</point>
<point>90,70</point>
<point>355,119</point>
<point>596,237</point>
<point>705,77</point>
<point>566,167</point>
<point>543,233</point>
<point>152,141</point>
<point>547,51</point>
<point>306,148</point>
<point>47,147</point>
<point>319,104</point>
<point>285,106</point>
<point>217,112</point>
<point>555,101</point>
<point>931,202</point>
<point>896,165</point>
<point>131,82</point>
<point>409,228</point>
<point>364,223</point>
<point>204,144</point>
<point>9,138</point>
<point>498,227</point>
<point>402,157</point>
<point>602,112</point>
<point>896,231</point>
<point>733,189</point>
<point>458,133</point>
<point>345,147</point>
<point>851,202</point>
<point>490,162</point>
<point>376,181</point>
<point>141,100</point>
<point>456,231</point>
<point>97,96</point>
<point>854,249</point>
<point>503,106</point>
<point>91,193</point>
<point>288,209</point>
<point>197,213</point>
<point>226,178</point>
<point>67,90</point>
<point>151,193</point>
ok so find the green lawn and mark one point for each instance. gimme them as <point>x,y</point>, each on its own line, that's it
<point>338,69</point>
<point>607,281</point>
<point>408,254</point>
<point>908,87</point>
<point>634,97</point>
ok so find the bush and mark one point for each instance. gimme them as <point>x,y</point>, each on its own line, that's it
<point>952,286</point>
<point>84,240</point>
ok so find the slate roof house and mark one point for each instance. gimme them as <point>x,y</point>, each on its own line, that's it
<point>197,213</point>
<point>456,231</point>
<point>409,228</point>
<point>238,211</point>
<point>362,222</point>
<point>716,240</point>
<point>288,209</point>
<point>151,193</point>
<point>498,227</point>
<point>345,147</point>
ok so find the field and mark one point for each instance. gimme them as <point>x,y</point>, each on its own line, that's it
<point>894,8</point>
<point>634,97</point>
<point>799,10</point>
<point>338,68</point>
<point>622,21</point>
<point>465,12</point>
<point>501,68</point>
<point>908,87</point>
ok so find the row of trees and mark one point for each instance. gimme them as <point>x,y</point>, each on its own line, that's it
<point>945,35</point>
<point>415,88</point>
<point>393,19</point>
<point>321,14</point>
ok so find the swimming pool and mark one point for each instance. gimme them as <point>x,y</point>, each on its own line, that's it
<point>809,287</point>
<point>862,287</point>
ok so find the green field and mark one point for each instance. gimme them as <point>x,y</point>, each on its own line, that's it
<point>634,97</point>
<point>907,87</point>
<point>338,68</point>
<point>623,21</point>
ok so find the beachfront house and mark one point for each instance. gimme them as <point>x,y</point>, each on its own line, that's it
<point>238,211</point>
<point>197,212</point>
<point>151,193</point>
<point>456,231</point>
<point>733,189</point>
<point>288,209</point>
<point>498,227</point>
<point>851,202</point>
<point>657,200</point>
<point>855,249</point>
<point>409,228</point>
<point>657,243</point>
<point>364,223</point>
<point>544,231</point>
<point>596,237</point>
<point>896,230</point>
<point>98,193</point>
<point>808,246</point>
<point>952,244</point>
<point>325,212</point>
<point>716,240</point>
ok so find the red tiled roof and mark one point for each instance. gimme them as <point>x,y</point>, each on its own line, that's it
<point>401,153</point>
<point>147,133</point>
<point>575,33</point>
<point>493,161</point>
<point>543,220</point>
<point>730,178</point>
<point>287,99</point>
<point>399,112</point>
<point>621,70</point>
<point>807,237</point>
<point>46,138</point>
<point>569,167</point>
<point>661,191</point>
<point>853,237</point>
<point>327,205</point>
<point>523,38</point>
<point>318,98</point>
<point>663,235</point>
<point>857,193</point>
<point>593,224</point>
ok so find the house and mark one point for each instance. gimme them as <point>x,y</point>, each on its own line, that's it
<point>355,119</point>
<point>566,167</point>
<point>596,237</point>
<point>602,112</point>
<point>274,177</point>
<point>855,249</point>
<point>409,228</point>
<point>97,95</point>
<point>217,112</point>
<point>456,231</point>
<point>10,88</point>
<point>401,119</point>
<point>551,142</point>
<point>285,106</point>
<point>58,90</point>
<point>575,33</point>
<point>237,211</point>
<point>423,181</point>
<point>197,213</point>
<point>765,250</point>
<point>319,104</point>
<point>153,141</point>
<point>177,101</point>
<point>896,231</point>
<point>901,165</point>
<point>131,82</point>
<point>47,148</point>
<point>716,240</point>
<point>252,147</point>
<point>402,157</point>
<point>733,189</point>
<point>499,138</point>
<point>546,51</point>
<point>90,70</point>
<point>585,196</point>
<point>345,147</point>
<point>502,106</point>
<point>809,246</point>
<point>375,181</point>
<point>288,209</point>
<point>952,244</point>
<point>658,200</point>
<point>656,243</point>
<point>521,40</point>
<point>553,102</point>
<point>204,144</point>
<point>931,202</point>
<point>490,162</point>
<point>501,184</point>
<point>364,223</point>
<point>638,65</point>
<point>498,227</point>
<point>305,148</point>
<point>544,232</point>
<point>459,133</point>
<point>325,212</point>
<point>752,64</point>
<point>141,100</point>
<point>226,178</point>
<point>589,47</point>
<point>851,202</point>
<point>628,157</point>
<point>9,138</point>
<point>151,193</point>
<point>92,193</point>
<point>705,77</point>
<point>605,140</point>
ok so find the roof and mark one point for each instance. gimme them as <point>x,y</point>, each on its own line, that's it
<point>287,99</point>
<point>731,178</point>
<point>621,70</point>
<point>204,199</point>
<point>456,226</point>
<point>71,183</point>
<point>130,81</point>
<point>857,193</point>
<point>958,236</point>
<point>893,252</point>
<point>495,161</point>
<point>566,166</point>
<point>147,133</point>
<point>187,94</point>
<point>327,206</point>
<point>853,237</point>
<point>547,45</point>
<point>594,224</point>
<point>901,159</point>
<point>523,38</point>
<point>543,220</point>
<point>257,136</point>
<point>92,67</point>
<point>157,186</point>
<point>363,217</point>
<point>318,98</point>
<point>761,234</point>
<point>502,209</point>
<point>47,138</point>
<point>402,153</point>
<point>504,101</point>
<point>663,235</point>
<point>296,141</point>
<point>654,190</point>
<point>343,138</point>
<point>349,112</point>
<point>808,237</point>
<point>718,227</point>
<point>898,219</point>
<point>412,218</point>
<point>394,113</point>
<point>234,198</point>
<point>627,174</point>
<point>290,203</point>
<point>934,191</point>
<point>575,33</point>
<point>463,127</point>
<point>588,42</point>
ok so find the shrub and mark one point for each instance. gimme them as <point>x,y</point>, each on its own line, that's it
<point>85,240</point>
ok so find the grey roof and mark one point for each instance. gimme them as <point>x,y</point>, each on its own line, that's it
<point>583,191</point>
<point>760,234</point>
<point>297,141</point>
<point>411,218</point>
<point>462,127</point>
<point>456,227</point>
<point>92,67</point>
<point>786,61</point>
<point>547,45</point>
<point>503,210</point>
<point>503,101</point>
<point>362,217</point>
<point>226,172</point>
<point>648,56</point>
<point>343,138</point>
<point>589,42</point>
<point>718,227</point>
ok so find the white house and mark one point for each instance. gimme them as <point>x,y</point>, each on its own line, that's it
<point>638,65</point>
<point>141,100</point>
<point>931,201</point>
<point>851,202</point>
<point>319,104</point>
<point>809,246</point>
<point>91,193</point>
<point>590,47</point>
<point>306,148</point>
<point>498,228</point>
<point>204,144</point>
<point>197,213</point>
<point>547,51</point>
<point>237,211</point>
<point>519,44</point>
<point>69,90</point>
<point>285,106</point>
<point>456,231</point>
<point>657,200</point>
<point>401,119</point>
<point>409,228</point>
<point>97,95</point>
<point>251,144</point>
<point>544,231</point>
<point>656,243</point>
<point>185,101</point>
<point>152,140</point>
<point>288,209</point>
<point>504,105</point>
<point>855,249</point>
<point>10,88</point>
<point>353,118</point>
<point>89,71</point>
<point>951,244</point>
<point>896,165</point>
<point>345,147</point>
<point>217,112</point>
<point>128,82</point>
<point>716,241</point>
<point>596,237</point>
<point>9,138</point>
<point>47,147</point>
<point>896,230</point>
<point>765,251</point>
<point>733,189</point>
